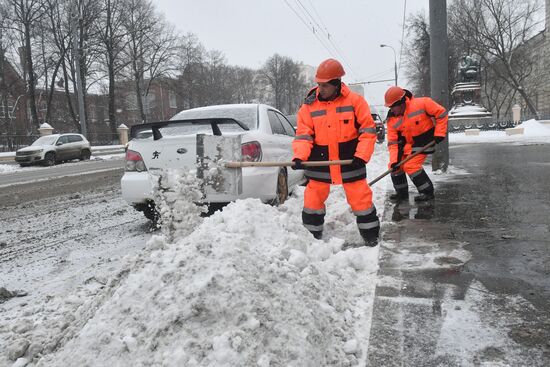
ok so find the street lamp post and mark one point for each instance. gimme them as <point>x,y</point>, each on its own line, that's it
<point>394,60</point>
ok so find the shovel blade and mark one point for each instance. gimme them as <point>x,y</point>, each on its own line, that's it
<point>218,182</point>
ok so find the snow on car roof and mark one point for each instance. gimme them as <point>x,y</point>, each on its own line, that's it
<point>245,113</point>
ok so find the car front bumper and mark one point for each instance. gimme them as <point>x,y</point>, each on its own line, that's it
<point>31,158</point>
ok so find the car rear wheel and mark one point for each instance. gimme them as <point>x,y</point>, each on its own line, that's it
<point>85,155</point>
<point>149,211</point>
<point>49,159</point>
<point>282,189</point>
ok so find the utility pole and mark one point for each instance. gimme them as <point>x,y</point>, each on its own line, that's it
<point>439,73</point>
<point>75,19</point>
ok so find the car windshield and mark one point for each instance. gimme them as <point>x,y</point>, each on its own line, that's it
<point>246,114</point>
<point>45,140</point>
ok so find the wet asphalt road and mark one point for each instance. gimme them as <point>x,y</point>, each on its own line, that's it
<point>466,280</point>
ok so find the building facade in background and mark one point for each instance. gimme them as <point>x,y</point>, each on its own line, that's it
<point>539,47</point>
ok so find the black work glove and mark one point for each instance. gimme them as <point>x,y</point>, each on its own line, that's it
<point>358,161</point>
<point>298,164</point>
<point>438,139</point>
<point>394,167</point>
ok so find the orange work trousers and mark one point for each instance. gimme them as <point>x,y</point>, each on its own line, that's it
<point>358,195</point>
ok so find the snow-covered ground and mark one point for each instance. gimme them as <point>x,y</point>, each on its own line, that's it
<point>247,286</point>
<point>534,132</point>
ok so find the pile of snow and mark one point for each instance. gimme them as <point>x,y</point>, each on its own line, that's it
<point>534,128</point>
<point>533,132</point>
<point>249,286</point>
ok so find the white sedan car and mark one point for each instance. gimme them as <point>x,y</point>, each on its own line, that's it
<point>265,133</point>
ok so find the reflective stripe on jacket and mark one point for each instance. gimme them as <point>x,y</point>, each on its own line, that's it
<point>422,120</point>
<point>333,130</point>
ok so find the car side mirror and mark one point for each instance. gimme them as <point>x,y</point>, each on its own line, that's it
<point>59,143</point>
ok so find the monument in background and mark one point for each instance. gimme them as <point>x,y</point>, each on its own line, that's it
<point>467,111</point>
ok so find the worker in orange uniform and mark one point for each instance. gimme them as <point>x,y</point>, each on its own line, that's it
<point>412,123</point>
<point>335,123</point>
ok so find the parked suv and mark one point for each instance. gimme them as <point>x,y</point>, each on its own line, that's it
<point>51,149</point>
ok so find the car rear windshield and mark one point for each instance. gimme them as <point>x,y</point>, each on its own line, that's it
<point>190,127</point>
<point>247,115</point>
<point>45,140</point>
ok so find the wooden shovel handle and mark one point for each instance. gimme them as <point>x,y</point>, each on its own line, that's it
<point>286,164</point>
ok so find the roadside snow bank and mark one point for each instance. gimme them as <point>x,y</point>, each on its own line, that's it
<point>534,132</point>
<point>250,286</point>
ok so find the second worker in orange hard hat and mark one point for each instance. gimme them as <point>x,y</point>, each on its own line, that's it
<point>412,123</point>
<point>335,123</point>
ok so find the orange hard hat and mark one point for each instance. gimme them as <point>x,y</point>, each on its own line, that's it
<point>328,70</point>
<point>393,94</point>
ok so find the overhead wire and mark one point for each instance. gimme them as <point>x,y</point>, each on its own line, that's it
<point>317,29</point>
<point>321,25</point>
<point>306,17</point>
<point>312,29</point>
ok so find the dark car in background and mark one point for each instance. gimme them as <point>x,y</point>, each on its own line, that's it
<point>380,128</point>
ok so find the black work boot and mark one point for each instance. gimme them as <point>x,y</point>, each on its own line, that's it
<point>317,234</point>
<point>371,242</point>
<point>370,236</point>
<point>399,196</point>
<point>424,196</point>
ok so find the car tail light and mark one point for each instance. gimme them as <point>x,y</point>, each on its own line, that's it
<point>134,162</point>
<point>251,151</point>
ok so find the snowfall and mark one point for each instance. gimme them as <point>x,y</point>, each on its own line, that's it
<point>246,286</point>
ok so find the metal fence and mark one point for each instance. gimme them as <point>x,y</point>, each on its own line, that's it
<point>481,125</point>
<point>10,143</point>
<point>103,139</point>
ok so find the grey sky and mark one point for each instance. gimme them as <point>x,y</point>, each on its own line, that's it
<point>250,31</point>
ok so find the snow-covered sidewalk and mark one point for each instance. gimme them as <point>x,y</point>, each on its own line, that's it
<point>533,132</point>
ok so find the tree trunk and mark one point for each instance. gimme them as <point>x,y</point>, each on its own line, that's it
<point>139,100</point>
<point>31,80</point>
<point>112,111</point>
<point>52,89</point>
<point>68,96</point>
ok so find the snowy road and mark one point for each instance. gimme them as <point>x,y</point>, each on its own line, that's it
<point>20,185</point>
<point>49,247</point>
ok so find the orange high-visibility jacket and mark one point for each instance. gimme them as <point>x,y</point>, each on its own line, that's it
<point>422,120</point>
<point>333,130</point>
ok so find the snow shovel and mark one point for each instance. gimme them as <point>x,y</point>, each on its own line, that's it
<point>216,153</point>
<point>212,151</point>
<point>430,144</point>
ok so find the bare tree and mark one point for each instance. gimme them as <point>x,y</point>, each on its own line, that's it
<point>498,95</point>
<point>417,52</point>
<point>7,90</point>
<point>25,16</point>
<point>151,47</point>
<point>285,82</point>
<point>113,42</point>
<point>243,85</point>
<point>190,55</point>
<point>496,30</point>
